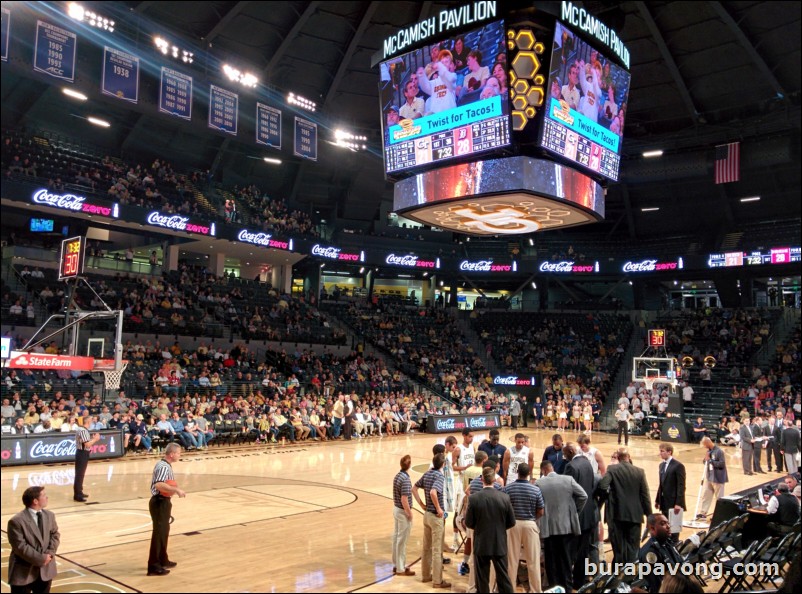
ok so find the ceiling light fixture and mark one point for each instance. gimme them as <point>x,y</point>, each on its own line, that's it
<point>98,122</point>
<point>246,79</point>
<point>74,94</point>
<point>750,199</point>
<point>272,160</point>
<point>301,102</point>
<point>652,154</point>
<point>650,209</point>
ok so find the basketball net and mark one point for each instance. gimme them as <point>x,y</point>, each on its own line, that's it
<point>112,377</point>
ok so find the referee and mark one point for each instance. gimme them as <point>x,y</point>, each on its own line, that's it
<point>163,481</point>
<point>528,505</point>
<point>83,446</point>
<point>623,416</point>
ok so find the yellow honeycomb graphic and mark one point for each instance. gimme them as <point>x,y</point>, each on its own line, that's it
<point>527,90</point>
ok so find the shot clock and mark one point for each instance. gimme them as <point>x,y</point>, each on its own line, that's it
<point>71,262</point>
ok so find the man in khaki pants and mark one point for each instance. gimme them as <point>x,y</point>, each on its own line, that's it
<point>716,476</point>
<point>523,539</point>
<point>433,484</point>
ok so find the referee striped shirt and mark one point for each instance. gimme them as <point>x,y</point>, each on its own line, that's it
<point>526,499</point>
<point>402,487</point>
<point>162,473</point>
<point>81,438</point>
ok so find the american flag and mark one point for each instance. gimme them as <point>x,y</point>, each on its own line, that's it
<point>728,163</point>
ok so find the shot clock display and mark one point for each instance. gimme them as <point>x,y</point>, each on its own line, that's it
<point>657,338</point>
<point>71,262</point>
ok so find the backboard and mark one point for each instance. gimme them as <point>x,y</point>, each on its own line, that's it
<point>655,370</point>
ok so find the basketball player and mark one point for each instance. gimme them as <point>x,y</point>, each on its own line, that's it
<point>465,455</point>
<point>515,456</point>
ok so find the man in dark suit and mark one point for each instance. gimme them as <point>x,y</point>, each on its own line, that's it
<point>34,538</point>
<point>789,445</point>
<point>774,434</point>
<point>489,515</point>
<point>670,498</point>
<point>747,445</point>
<point>626,491</point>
<point>580,469</point>
<point>565,500</point>
<point>757,431</point>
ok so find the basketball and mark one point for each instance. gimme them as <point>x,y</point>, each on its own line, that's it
<point>172,483</point>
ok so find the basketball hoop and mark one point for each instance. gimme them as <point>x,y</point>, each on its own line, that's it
<point>111,376</point>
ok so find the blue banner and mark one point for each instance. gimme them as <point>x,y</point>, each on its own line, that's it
<point>305,139</point>
<point>175,94</point>
<point>5,30</point>
<point>446,120</point>
<point>268,125</point>
<point>584,126</point>
<point>223,110</point>
<point>54,51</point>
<point>120,75</point>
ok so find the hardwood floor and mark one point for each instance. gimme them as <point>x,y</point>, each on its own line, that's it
<point>316,517</point>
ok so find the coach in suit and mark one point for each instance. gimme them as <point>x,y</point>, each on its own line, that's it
<point>34,538</point>
<point>757,431</point>
<point>774,434</point>
<point>670,498</point>
<point>625,489</point>
<point>565,500</point>
<point>747,445</point>
<point>489,515</point>
<point>580,469</point>
<point>789,444</point>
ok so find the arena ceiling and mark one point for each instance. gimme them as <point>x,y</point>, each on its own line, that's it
<point>703,73</point>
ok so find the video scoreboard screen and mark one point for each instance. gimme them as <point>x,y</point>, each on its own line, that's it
<point>446,100</point>
<point>781,255</point>
<point>586,103</point>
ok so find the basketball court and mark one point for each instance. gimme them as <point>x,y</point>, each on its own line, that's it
<point>311,517</point>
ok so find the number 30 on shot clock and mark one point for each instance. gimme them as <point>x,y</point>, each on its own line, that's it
<point>657,338</point>
<point>71,262</point>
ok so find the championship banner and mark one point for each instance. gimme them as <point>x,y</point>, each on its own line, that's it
<point>175,94</point>
<point>305,139</point>
<point>5,33</point>
<point>223,110</point>
<point>268,125</point>
<point>120,75</point>
<point>20,360</point>
<point>54,51</point>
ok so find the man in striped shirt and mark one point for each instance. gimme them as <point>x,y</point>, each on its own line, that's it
<point>83,446</point>
<point>162,488</point>
<point>433,485</point>
<point>528,505</point>
<point>402,513</point>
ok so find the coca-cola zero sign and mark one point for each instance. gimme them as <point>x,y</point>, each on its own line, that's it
<point>456,423</point>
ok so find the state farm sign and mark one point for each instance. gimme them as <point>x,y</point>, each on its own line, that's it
<point>21,360</point>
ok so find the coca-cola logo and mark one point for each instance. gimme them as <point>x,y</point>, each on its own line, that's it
<point>445,424</point>
<point>332,253</point>
<point>477,421</point>
<point>480,266</point>
<point>56,477</point>
<point>411,261</point>
<point>565,266</point>
<point>56,449</point>
<point>512,380</point>
<point>65,201</point>
<point>649,266</point>
<point>254,238</point>
<point>176,222</point>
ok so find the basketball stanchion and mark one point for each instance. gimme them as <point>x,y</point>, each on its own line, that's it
<point>694,523</point>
